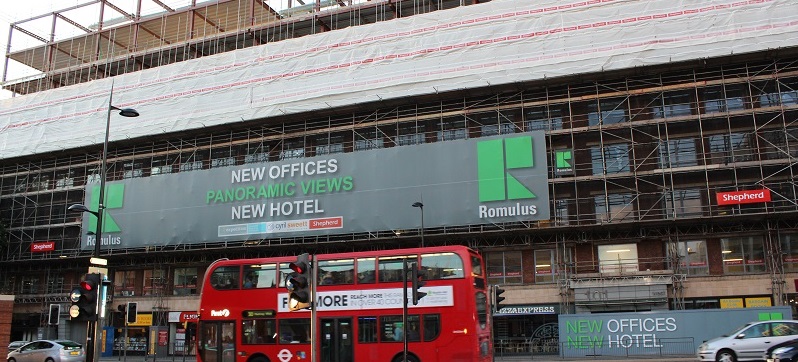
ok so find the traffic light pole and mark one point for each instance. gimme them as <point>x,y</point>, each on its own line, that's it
<point>314,272</point>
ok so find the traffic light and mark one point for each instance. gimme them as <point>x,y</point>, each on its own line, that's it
<point>131,312</point>
<point>497,298</point>
<point>298,283</point>
<point>55,311</point>
<point>84,298</point>
<point>418,275</point>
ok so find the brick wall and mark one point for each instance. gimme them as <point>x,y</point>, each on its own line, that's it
<point>6,311</point>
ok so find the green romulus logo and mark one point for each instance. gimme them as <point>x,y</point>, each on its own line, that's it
<point>495,159</point>
<point>114,197</point>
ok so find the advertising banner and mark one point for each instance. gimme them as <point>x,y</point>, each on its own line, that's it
<point>463,182</point>
<point>743,197</point>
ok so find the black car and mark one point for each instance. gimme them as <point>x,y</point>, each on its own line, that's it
<point>785,351</point>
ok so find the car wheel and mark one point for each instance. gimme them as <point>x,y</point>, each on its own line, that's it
<point>49,360</point>
<point>12,360</point>
<point>725,355</point>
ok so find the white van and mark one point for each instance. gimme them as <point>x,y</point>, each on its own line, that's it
<point>749,342</point>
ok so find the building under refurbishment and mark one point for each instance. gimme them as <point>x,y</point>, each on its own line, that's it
<point>666,132</point>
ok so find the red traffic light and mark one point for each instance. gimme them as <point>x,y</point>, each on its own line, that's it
<point>87,285</point>
<point>301,265</point>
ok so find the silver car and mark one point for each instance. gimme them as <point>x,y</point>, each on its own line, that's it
<point>48,351</point>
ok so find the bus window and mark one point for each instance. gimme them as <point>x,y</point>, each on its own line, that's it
<point>260,276</point>
<point>476,265</point>
<point>225,277</point>
<point>284,271</point>
<point>336,272</point>
<point>294,330</point>
<point>442,266</point>
<point>482,308</point>
<point>432,327</point>
<point>365,270</point>
<point>258,331</point>
<point>392,327</point>
<point>367,329</point>
<point>391,268</point>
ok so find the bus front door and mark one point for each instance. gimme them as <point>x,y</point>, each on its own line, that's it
<point>217,341</point>
<point>336,340</point>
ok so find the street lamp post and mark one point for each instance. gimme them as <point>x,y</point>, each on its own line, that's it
<point>420,205</point>
<point>91,333</point>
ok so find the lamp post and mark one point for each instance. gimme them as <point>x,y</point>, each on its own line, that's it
<point>91,334</point>
<point>420,205</point>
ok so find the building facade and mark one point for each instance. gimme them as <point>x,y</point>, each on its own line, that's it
<point>670,157</point>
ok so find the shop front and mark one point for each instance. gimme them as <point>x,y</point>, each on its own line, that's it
<point>182,333</point>
<point>131,339</point>
<point>526,329</point>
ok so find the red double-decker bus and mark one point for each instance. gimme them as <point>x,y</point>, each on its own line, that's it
<point>244,314</point>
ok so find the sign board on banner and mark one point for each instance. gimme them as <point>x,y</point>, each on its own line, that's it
<point>461,182</point>
<point>439,296</point>
<point>41,247</point>
<point>743,197</point>
<point>648,333</point>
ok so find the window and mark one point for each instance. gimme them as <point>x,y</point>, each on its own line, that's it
<point>615,207</point>
<point>225,277</point>
<point>55,284</point>
<point>618,258</point>
<point>185,281</point>
<point>326,146</point>
<point>497,129</point>
<point>543,119</point>
<point>125,283</point>
<point>742,255</point>
<point>294,330</point>
<point>256,157</point>
<point>64,180</point>
<point>561,212</point>
<point>367,140</point>
<point>29,285</point>
<point>606,111</point>
<point>724,98</point>
<point>476,265</point>
<point>432,327</point>
<point>365,270</point>
<point>692,256</point>
<point>453,128</point>
<point>674,104</point>
<point>504,267</point>
<point>133,169</point>
<point>683,203</point>
<point>391,268</point>
<point>223,157</point>
<point>481,300</point>
<point>258,331</point>
<point>392,329</point>
<point>367,329</point>
<point>677,153</point>
<point>160,167</point>
<point>726,148</point>
<point>442,266</point>
<point>789,246</point>
<point>295,149</point>
<point>154,281</point>
<point>613,159</point>
<point>191,166</point>
<point>260,276</point>
<point>411,134</point>
<point>545,266</point>
<point>336,272</point>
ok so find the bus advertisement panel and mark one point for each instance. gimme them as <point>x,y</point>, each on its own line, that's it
<point>244,315</point>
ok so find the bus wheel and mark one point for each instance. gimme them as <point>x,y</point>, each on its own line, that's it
<point>259,359</point>
<point>410,358</point>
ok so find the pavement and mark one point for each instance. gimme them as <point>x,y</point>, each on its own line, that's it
<point>541,358</point>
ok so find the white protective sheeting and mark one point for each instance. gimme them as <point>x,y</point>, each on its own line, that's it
<point>499,42</point>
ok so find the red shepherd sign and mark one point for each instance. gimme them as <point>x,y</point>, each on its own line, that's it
<point>743,197</point>
<point>42,247</point>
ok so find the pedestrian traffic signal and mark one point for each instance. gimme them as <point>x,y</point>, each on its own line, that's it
<point>497,298</point>
<point>418,274</point>
<point>84,298</point>
<point>298,283</point>
<point>131,312</point>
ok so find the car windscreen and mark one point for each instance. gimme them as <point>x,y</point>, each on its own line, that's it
<point>737,330</point>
